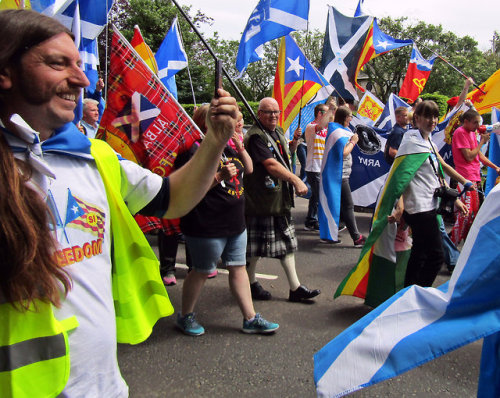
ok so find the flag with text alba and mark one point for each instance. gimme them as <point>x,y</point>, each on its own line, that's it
<point>417,75</point>
<point>484,102</point>
<point>270,20</point>
<point>400,334</point>
<point>377,43</point>
<point>342,49</point>
<point>296,81</point>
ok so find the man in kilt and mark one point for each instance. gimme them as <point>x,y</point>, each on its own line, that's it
<point>269,197</point>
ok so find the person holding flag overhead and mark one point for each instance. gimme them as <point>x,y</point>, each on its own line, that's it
<point>76,274</point>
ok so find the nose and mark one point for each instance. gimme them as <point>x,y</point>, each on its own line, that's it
<point>78,78</point>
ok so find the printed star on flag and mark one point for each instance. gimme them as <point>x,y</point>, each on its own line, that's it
<point>295,65</point>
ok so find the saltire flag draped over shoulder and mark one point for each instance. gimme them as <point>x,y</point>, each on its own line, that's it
<point>494,153</point>
<point>377,43</point>
<point>171,57</point>
<point>331,180</point>
<point>417,75</point>
<point>342,49</point>
<point>296,81</point>
<point>401,333</point>
<point>370,109</point>
<point>484,102</point>
<point>142,121</point>
<point>269,20</point>
<point>143,50</point>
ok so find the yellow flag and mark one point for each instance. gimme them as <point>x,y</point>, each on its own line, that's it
<point>484,102</point>
<point>143,50</point>
<point>6,4</point>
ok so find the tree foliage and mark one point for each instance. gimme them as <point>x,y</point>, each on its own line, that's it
<point>385,73</point>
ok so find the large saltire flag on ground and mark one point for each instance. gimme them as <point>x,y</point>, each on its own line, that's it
<point>377,43</point>
<point>378,255</point>
<point>342,50</point>
<point>417,75</point>
<point>420,324</point>
<point>142,121</point>
<point>484,102</point>
<point>296,81</point>
<point>171,57</point>
<point>143,50</point>
<point>494,153</point>
<point>269,20</point>
<point>331,180</point>
<point>370,109</point>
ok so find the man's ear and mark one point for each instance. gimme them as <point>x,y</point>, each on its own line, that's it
<point>5,79</point>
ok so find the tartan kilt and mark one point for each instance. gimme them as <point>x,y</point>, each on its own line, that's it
<point>270,236</point>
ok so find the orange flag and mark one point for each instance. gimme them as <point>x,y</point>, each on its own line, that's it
<point>484,102</point>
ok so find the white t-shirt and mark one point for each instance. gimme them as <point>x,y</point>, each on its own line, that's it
<point>83,233</point>
<point>419,194</point>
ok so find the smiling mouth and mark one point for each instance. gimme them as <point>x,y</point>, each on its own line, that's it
<point>69,97</point>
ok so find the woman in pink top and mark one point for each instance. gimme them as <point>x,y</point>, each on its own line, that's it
<point>467,156</point>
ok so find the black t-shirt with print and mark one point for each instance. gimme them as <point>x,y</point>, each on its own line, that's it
<point>222,211</point>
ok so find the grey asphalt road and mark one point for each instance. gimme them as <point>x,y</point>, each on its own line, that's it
<point>227,363</point>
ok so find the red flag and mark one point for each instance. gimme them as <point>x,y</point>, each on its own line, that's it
<point>142,121</point>
<point>416,77</point>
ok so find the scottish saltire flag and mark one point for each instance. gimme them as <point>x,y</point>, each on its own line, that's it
<point>342,50</point>
<point>401,333</point>
<point>494,154</point>
<point>359,9</point>
<point>388,118</point>
<point>93,14</point>
<point>377,43</point>
<point>370,109</point>
<point>171,57</point>
<point>484,102</point>
<point>269,20</point>
<point>296,81</point>
<point>331,180</point>
<point>417,75</point>
<point>377,275</point>
<point>143,50</point>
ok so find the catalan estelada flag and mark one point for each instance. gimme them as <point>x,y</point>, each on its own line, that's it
<point>417,75</point>
<point>143,50</point>
<point>484,102</point>
<point>377,43</point>
<point>380,270</point>
<point>296,81</point>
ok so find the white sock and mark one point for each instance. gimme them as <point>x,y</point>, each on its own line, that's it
<point>288,264</point>
<point>252,265</point>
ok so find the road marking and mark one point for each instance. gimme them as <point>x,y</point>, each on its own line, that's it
<point>225,271</point>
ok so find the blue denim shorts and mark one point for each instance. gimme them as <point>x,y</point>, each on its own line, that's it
<point>205,252</point>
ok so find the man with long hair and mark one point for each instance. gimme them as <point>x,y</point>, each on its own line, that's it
<point>66,205</point>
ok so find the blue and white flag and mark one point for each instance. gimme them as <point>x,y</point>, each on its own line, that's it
<point>388,118</point>
<point>331,181</point>
<point>400,334</point>
<point>171,57</point>
<point>494,154</point>
<point>342,49</point>
<point>269,20</point>
<point>359,9</point>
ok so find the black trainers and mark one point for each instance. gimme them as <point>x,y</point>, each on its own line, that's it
<point>360,242</point>
<point>258,292</point>
<point>302,293</point>
<point>312,226</point>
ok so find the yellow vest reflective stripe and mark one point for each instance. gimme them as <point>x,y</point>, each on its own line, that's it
<point>34,351</point>
<point>139,294</point>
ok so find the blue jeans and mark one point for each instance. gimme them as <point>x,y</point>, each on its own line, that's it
<point>312,210</point>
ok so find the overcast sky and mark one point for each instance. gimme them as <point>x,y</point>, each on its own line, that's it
<point>478,19</point>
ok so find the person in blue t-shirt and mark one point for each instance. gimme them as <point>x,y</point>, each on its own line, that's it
<point>396,135</point>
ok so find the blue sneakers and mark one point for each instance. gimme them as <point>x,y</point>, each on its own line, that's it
<point>188,325</point>
<point>259,325</point>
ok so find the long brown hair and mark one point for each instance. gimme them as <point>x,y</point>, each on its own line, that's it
<point>28,269</point>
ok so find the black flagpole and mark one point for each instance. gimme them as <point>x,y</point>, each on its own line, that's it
<point>240,94</point>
